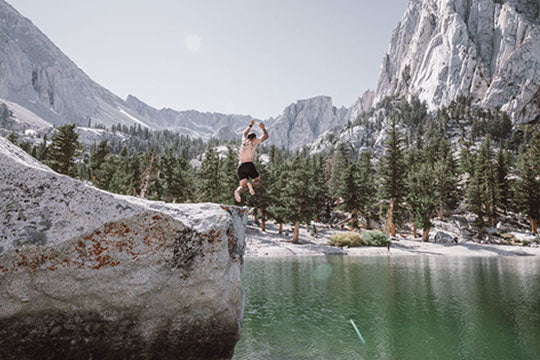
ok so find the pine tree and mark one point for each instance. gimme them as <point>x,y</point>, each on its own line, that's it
<point>151,171</point>
<point>209,177</point>
<point>367,187</point>
<point>421,198</point>
<point>105,173</point>
<point>229,176</point>
<point>319,191</point>
<point>349,192</point>
<point>26,146</point>
<point>392,174</point>
<point>179,187</point>
<point>502,170</point>
<point>486,167</point>
<point>466,160</point>
<point>42,150</point>
<point>119,183</point>
<point>446,184</point>
<point>261,200</point>
<point>278,172</point>
<point>167,172</point>
<point>134,173</point>
<point>13,138</point>
<point>296,196</point>
<point>63,149</point>
<point>97,157</point>
<point>528,185</point>
<point>340,161</point>
<point>476,193</point>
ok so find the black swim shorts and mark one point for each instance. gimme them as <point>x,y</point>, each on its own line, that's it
<point>247,170</point>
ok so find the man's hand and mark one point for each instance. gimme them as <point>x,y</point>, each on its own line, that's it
<point>265,134</point>
<point>251,123</point>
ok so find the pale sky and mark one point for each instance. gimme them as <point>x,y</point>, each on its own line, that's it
<point>249,57</point>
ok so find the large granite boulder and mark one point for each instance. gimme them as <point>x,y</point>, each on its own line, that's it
<point>85,274</point>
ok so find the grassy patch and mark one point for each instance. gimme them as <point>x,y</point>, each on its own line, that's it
<point>365,238</point>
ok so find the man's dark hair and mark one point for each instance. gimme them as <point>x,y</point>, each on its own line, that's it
<point>251,136</point>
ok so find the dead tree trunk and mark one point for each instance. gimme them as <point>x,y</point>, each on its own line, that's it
<point>389,226</point>
<point>263,220</point>
<point>146,179</point>
<point>425,234</point>
<point>296,232</point>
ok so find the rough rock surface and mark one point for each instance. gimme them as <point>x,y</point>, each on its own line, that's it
<point>88,274</point>
<point>305,120</point>
<point>444,237</point>
<point>485,48</point>
<point>363,104</point>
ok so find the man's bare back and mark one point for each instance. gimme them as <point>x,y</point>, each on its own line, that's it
<point>247,169</point>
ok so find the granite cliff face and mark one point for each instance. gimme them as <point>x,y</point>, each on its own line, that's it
<point>484,48</point>
<point>302,122</point>
<point>88,274</point>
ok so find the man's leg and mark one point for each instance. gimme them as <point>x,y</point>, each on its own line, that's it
<point>239,189</point>
<point>250,188</point>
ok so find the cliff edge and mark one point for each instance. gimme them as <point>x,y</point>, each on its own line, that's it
<point>89,274</point>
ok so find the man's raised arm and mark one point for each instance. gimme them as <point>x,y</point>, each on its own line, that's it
<point>246,133</point>
<point>265,134</point>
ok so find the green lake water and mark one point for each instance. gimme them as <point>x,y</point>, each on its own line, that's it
<point>405,308</point>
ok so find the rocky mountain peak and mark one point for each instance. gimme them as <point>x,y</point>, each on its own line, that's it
<point>487,49</point>
<point>303,121</point>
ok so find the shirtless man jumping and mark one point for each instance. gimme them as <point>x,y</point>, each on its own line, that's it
<point>247,169</point>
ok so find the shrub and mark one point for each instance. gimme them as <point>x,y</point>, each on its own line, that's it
<point>349,238</point>
<point>375,238</point>
<point>352,239</point>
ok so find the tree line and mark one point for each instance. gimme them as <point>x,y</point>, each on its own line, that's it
<point>411,181</point>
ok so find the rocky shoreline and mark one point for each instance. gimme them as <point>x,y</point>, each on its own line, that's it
<point>272,244</point>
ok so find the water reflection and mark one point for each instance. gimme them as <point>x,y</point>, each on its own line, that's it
<point>405,308</point>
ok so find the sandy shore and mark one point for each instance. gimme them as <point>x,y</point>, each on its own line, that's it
<point>271,244</point>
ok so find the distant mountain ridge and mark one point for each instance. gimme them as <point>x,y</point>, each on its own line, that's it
<point>38,76</point>
<point>486,49</point>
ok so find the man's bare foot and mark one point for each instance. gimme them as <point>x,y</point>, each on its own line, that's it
<point>250,187</point>
<point>237,196</point>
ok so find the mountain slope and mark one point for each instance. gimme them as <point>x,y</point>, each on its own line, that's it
<point>484,48</point>
<point>40,77</point>
<point>190,122</point>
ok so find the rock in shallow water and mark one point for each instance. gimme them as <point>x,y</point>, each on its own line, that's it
<point>88,274</point>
